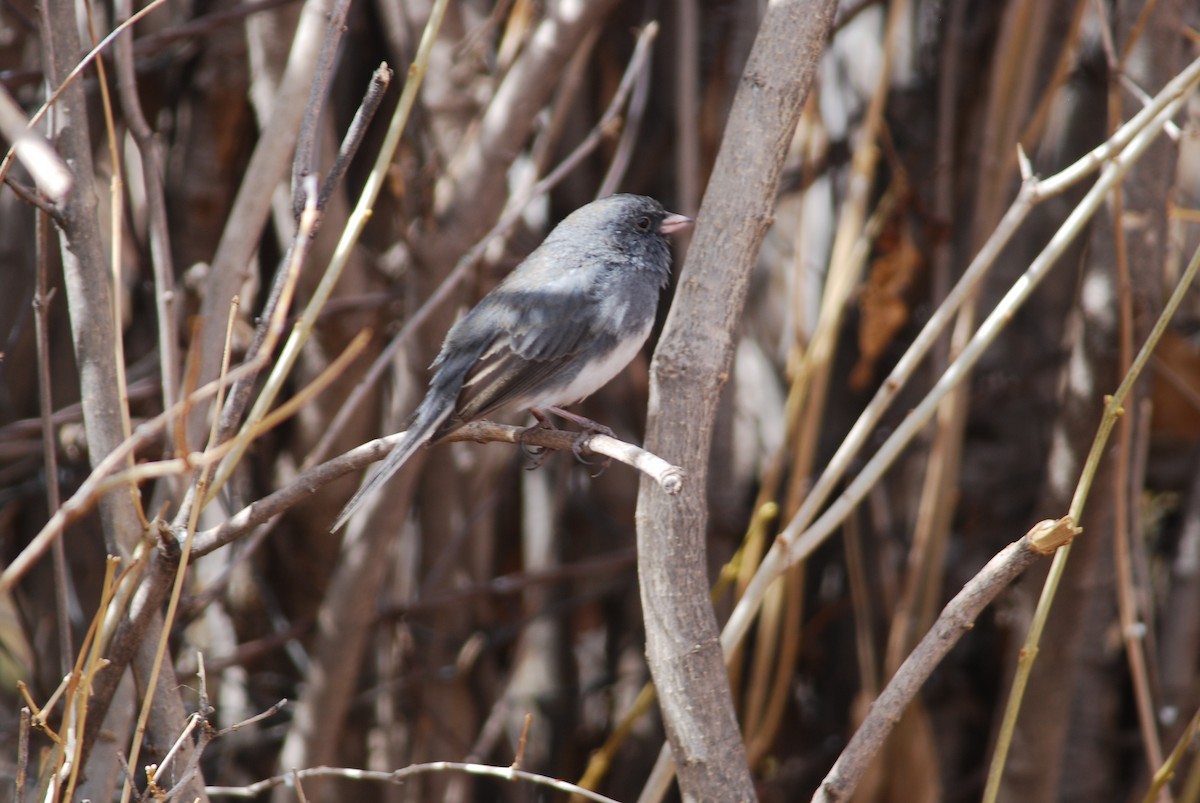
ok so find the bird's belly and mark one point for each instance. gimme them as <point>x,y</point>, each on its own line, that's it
<point>596,375</point>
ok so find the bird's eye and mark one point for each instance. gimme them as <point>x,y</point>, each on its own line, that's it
<point>643,223</point>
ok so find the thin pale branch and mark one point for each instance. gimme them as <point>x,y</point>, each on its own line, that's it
<point>800,537</point>
<point>400,776</point>
<point>1113,410</point>
<point>669,477</point>
<point>41,160</point>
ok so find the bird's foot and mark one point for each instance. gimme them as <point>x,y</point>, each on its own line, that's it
<point>579,445</point>
<point>536,454</point>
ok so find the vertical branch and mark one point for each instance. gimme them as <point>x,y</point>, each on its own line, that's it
<point>690,365</point>
<point>156,209</point>
<point>89,296</point>
<point>41,309</point>
<point>305,161</point>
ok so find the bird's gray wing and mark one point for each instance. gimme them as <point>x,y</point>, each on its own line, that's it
<point>540,336</point>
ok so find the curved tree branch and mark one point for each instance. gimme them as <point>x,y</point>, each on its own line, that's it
<point>690,367</point>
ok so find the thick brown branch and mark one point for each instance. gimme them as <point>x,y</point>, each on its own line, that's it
<point>690,366</point>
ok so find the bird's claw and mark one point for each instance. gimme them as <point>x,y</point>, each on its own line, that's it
<point>537,454</point>
<point>579,446</point>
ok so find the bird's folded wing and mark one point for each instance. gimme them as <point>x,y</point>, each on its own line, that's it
<point>540,341</point>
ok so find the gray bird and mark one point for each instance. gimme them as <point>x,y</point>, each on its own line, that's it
<point>555,330</point>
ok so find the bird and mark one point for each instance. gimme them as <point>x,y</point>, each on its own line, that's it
<point>562,324</point>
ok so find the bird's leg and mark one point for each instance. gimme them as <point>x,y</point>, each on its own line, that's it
<point>536,454</point>
<point>590,428</point>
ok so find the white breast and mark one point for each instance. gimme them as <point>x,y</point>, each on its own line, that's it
<point>597,375</point>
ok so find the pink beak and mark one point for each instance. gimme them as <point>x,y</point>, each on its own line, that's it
<point>673,223</point>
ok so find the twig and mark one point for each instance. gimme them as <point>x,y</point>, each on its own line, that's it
<point>381,79</point>
<point>1163,774</point>
<point>304,163</point>
<point>207,735</point>
<point>203,597</point>
<point>633,117</point>
<point>956,619</point>
<point>22,754</point>
<point>1132,628</point>
<point>71,413</point>
<point>88,666</point>
<point>268,166</point>
<point>687,116</point>
<point>41,311</point>
<point>192,768</point>
<point>616,562</point>
<point>259,717</point>
<point>669,477</point>
<point>156,212</point>
<point>239,397</point>
<point>354,227</point>
<point>399,776</point>
<point>34,198</point>
<point>193,721</point>
<point>925,558</point>
<point>301,245</point>
<point>519,757</point>
<point>301,797</point>
<point>542,151</point>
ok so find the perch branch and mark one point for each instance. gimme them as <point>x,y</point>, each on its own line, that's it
<point>670,478</point>
<point>400,776</point>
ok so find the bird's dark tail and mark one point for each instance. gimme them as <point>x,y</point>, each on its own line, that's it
<point>429,416</point>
